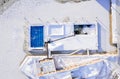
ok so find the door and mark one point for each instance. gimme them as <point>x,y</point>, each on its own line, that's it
<point>37,36</point>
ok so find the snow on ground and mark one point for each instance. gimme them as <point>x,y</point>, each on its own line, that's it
<point>12,33</point>
<point>12,38</point>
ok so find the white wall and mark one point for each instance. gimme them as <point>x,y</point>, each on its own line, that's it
<point>114,21</point>
<point>118,20</point>
<point>73,42</point>
<point>88,11</point>
<point>76,12</point>
<point>12,22</point>
<point>118,25</point>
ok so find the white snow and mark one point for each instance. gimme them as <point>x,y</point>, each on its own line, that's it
<point>12,22</point>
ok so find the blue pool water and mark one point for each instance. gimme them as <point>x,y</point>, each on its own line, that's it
<point>36,36</point>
